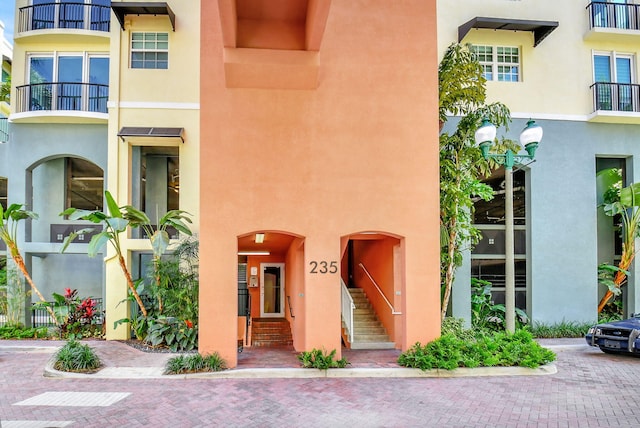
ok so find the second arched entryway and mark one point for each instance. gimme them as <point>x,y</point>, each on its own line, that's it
<point>372,277</point>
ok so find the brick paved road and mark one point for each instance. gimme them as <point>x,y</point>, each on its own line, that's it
<point>590,389</point>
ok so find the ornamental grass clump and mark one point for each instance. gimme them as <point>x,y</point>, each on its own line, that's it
<point>195,363</point>
<point>562,329</point>
<point>498,350</point>
<point>76,357</point>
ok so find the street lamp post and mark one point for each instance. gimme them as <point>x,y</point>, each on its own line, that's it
<point>529,138</point>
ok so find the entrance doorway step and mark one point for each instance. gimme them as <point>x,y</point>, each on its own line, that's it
<point>271,332</point>
<point>368,331</point>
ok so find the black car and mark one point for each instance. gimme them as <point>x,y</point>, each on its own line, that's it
<point>617,336</point>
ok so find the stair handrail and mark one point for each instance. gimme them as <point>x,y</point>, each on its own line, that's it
<point>375,284</point>
<point>347,309</point>
<point>290,308</point>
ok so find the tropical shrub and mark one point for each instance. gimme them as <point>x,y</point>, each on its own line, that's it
<point>76,357</point>
<point>455,327</point>
<point>18,332</point>
<point>175,289</point>
<point>176,334</point>
<point>195,363</point>
<point>500,349</point>
<point>170,294</point>
<point>485,315</point>
<point>76,317</point>
<point>623,204</point>
<point>16,298</point>
<point>320,359</point>
<point>3,285</point>
<point>138,321</point>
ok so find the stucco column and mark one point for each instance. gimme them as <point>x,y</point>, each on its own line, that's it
<point>115,305</point>
<point>218,300</point>
<point>322,293</point>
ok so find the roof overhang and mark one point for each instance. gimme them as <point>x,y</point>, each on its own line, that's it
<point>540,29</point>
<point>143,8</point>
<point>146,132</point>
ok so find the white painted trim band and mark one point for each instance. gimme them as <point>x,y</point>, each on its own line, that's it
<point>152,105</point>
<point>551,116</point>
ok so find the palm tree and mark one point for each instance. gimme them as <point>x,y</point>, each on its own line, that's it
<point>116,222</point>
<point>8,233</point>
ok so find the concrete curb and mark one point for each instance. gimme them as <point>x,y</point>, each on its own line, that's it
<point>292,373</point>
<point>116,372</point>
<point>30,349</point>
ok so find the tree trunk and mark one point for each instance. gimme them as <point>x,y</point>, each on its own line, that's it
<point>132,286</point>
<point>618,279</point>
<point>450,273</point>
<point>19,261</point>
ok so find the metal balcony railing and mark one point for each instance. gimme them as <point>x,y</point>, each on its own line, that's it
<point>61,96</point>
<point>623,97</point>
<point>614,15</point>
<point>4,130</point>
<point>78,15</point>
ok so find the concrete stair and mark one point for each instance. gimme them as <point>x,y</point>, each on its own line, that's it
<point>368,331</point>
<point>271,332</point>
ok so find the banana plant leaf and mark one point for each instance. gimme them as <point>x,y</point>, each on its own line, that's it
<point>606,181</point>
<point>630,195</point>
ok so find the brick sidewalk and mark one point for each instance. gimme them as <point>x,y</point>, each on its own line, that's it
<point>590,389</point>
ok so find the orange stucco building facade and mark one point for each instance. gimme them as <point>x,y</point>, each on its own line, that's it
<point>319,131</point>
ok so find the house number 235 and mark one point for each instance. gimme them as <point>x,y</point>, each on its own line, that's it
<point>323,267</point>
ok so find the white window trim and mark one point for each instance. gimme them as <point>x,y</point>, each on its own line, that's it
<point>143,50</point>
<point>86,56</point>
<point>613,55</point>
<point>494,63</point>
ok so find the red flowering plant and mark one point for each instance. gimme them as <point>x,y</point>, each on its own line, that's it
<point>77,317</point>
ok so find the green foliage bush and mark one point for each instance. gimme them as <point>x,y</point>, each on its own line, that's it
<point>3,285</point>
<point>76,357</point>
<point>178,335</point>
<point>76,317</point>
<point>559,330</point>
<point>487,316</point>
<point>320,359</point>
<point>500,349</point>
<point>170,295</point>
<point>3,299</point>
<point>19,332</point>
<point>455,327</point>
<point>195,363</point>
<point>176,292</point>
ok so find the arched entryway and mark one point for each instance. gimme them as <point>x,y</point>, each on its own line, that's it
<point>270,289</point>
<point>372,283</point>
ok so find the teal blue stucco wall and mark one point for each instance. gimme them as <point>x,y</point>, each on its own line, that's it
<point>562,229</point>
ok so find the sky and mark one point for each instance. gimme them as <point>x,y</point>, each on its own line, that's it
<point>6,16</point>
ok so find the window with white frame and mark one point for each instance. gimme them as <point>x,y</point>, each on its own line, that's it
<point>68,81</point>
<point>150,50</point>
<point>614,76</point>
<point>499,63</point>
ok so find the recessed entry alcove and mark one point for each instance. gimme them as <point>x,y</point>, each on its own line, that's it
<point>272,44</point>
